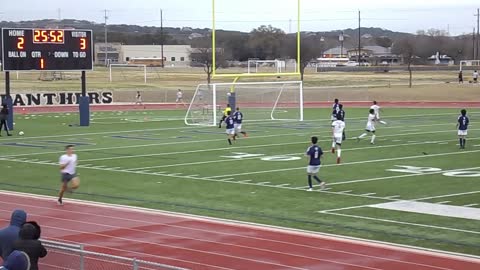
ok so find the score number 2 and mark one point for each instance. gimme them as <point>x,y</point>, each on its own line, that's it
<point>20,43</point>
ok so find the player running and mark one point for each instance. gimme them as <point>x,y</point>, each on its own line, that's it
<point>225,114</point>
<point>138,99</point>
<point>179,98</point>
<point>314,153</point>
<point>462,125</point>
<point>335,110</point>
<point>377,110</point>
<point>238,118</point>
<point>341,116</point>
<point>230,127</point>
<point>68,165</point>
<point>370,127</point>
<point>338,127</point>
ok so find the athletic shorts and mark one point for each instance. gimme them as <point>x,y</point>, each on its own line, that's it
<point>462,132</point>
<point>338,139</point>
<point>370,128</point>
<point>179,99</point>
<point>230,131</point>
<point>238,127</point>
<point>66,177</point>
<point>313,169</point>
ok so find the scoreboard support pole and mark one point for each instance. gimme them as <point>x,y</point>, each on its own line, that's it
<point>84,104</point>
<point>8,101</point>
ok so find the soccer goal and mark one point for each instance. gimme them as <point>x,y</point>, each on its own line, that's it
<point>471,64</point>
<point>130,72</point>
<point>259,101</point>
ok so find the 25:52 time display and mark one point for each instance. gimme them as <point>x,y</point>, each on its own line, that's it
<point>49,36</point>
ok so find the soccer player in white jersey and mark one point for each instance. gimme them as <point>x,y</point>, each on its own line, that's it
<point>370,127</point>
<point>337,131</point>
<point>68,169</point>
<point>179,98</point>
<point>377,110</point>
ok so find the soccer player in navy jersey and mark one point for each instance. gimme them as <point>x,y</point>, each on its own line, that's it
<point>314,153</point>
<point>335,110</point>
<point>462,125</point>
<point>230,127</point>
<point>238,118</point>
<point>341,117</point>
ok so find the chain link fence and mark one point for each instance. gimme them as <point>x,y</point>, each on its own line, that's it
<point>74,257</point>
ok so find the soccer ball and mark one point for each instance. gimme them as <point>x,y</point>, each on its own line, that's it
<point>21,133</point>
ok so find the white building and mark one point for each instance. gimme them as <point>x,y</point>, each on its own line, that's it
<point>174,55</point>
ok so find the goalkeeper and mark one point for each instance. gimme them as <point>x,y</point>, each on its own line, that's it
<point>226,112</point>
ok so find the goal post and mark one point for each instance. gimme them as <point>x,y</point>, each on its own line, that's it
<point>119,66</point>
<point>469,63</point>
<point>254,64</point>
<point>259,101</point>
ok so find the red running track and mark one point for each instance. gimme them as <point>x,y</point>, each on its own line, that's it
<point>201,243</point>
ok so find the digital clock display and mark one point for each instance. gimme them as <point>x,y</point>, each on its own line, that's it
<point>48,36</point>
<point>46,49</point>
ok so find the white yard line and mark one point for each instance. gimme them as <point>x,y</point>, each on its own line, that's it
<point>470,205</point>
<point>197,141</point>
<point>353,163</point>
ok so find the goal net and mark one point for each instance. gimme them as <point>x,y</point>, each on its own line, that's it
<point>258,101</point>
<point>128,72</point>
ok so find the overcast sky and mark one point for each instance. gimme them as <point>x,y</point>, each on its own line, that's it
<point>244,15</point>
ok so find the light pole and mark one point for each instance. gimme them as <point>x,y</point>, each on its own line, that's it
<point>341,38</point>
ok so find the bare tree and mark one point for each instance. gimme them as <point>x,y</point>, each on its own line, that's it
<point>311,48</point>
<point>406,48</point>
<point>201,55</point>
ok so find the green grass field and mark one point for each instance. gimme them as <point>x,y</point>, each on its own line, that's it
<point>151,159</point>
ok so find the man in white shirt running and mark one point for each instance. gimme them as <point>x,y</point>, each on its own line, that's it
<point>68,164</point>
<point>337,131</point>
<point>377,110</point>
<point>370,128</point>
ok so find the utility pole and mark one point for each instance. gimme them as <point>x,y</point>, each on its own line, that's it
<point>59,11</point>
<point>106,45</point>
<point>478,33</point>
<point>290,26</point>
<point>161,38</point>
<point>359,38</point>
<point>341,38</point>
<point>473,44</point>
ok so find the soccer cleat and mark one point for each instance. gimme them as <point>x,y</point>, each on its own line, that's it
<point>338,160</point>
<point>310,189</point>
<point>322,185</point>
<point>358,139</point>
<point>59,202</point>
<point>333,150</point>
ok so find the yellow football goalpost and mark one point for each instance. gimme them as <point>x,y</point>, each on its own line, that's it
<point>239,75</point>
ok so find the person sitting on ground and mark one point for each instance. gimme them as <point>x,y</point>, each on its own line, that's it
<point>17,260</point>
<point>9,234</point>
<point>30,244</point>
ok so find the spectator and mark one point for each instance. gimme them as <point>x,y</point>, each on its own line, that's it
<point>475,76</point>
<point>28,244</point>
<point>9,234</point>
<point>17,260</point>
<point>460,77</point>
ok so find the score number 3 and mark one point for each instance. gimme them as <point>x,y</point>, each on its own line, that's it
<point>83,43</point>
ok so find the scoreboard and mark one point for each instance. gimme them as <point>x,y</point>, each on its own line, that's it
<point>46,49</point>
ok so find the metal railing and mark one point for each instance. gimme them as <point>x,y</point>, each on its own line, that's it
<point>74,257</point>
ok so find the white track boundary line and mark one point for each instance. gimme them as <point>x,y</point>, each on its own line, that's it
<point>257,226</point>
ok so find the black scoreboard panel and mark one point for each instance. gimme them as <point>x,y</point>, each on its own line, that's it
<point>46,49</point>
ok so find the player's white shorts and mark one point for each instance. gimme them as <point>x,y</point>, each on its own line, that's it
<point>338,138</point>
<point>139,100</point>
<point>370,127</point>
<point>238,127</point>
<point>462,132</point>
<point>179,99</point>
<point>230,131</point>
<point>313,169</point>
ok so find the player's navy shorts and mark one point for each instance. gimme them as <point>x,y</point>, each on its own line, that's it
<point>66,177</point>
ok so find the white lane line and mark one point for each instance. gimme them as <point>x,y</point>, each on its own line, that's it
<point>369,194</point>
<point>348,191</point>
<point>263,183</point>
<point>470,205</point>
<point>393,197</point>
